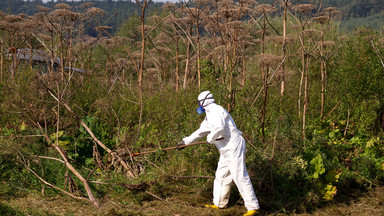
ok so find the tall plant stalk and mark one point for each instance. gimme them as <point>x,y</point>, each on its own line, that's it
<point>188,59</point>
<point>143,7</point>
<point>264,10</point>
<point>177,79</point>
<point>1,57</point>
<point>283,48</point>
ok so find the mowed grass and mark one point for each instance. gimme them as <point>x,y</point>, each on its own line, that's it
<point>179,201</point>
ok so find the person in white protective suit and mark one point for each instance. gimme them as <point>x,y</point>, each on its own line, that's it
<point>221,131</point>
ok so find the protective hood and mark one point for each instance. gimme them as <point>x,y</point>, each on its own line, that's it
<point>205,98</point>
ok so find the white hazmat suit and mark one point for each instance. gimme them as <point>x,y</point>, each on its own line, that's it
<point>217,124</point>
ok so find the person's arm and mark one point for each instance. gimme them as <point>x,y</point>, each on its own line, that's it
<point>199,133</point>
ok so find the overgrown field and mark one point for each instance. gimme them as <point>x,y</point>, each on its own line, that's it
<point>308,98</point>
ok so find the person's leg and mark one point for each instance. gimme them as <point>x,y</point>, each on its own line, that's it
<point>222,184</point>
<point>240,175</point>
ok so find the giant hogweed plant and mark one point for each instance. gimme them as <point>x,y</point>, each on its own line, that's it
<point>336,159</point>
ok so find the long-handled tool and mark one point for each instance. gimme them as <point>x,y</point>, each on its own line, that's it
<point>171,148</point>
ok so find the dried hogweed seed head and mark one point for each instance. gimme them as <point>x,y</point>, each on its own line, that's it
<point>23,15</point>
<point>147,28</point>
<point>362,31</point>
<point>163,49</point>
<point>276,39</point>
<point>87,5</point>
<point>252,3</point>
<point>289,4</point>
<point>102,28</point>
<point>39,16</point>
<point>187,20</point>
<point>227,13</point>
<point>234,25</point>
<point>121,61</point>
<point>261,32</point>
<point>169,22</point>
<point>245,10</point>
<point>59,13</point>
<point>194,11</point>
<point>382,42</point>
<point>321,13</point>
<point>333,13</point>
<point>265,8</point>
<point>342,38</point>
<point>45,37</point>
<point>3,24</point>
<point>63,6</point>
<point>311,32</point>
<point>136,54</point>
<point>155,18</point>
<point>330,9</point>
<point>321,19</point>
<point>122,40</point>
<point>169,6</point>
<point>29,24</point>
<point>162,38</point>
<point>328,43</point>
<point>240,2</point>
<point>13,18</point>
<point>43,9</point>
<point>268,59</point>
<point>15,27</point>
<point>75,16</point>
<point>297,27</point>
<point>108,42</point>
<point>152,71</point>
<point>303,8</point>
<point>225,3</point>
<point>94,11</point>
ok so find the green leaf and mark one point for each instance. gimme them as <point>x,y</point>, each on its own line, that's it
<point>371,142</point>
<point>333,176</point>
<point>53,136</point>
<point>330,192</point>
<point>89,161</point>
<point>317,162</point>
<point>64,144</point>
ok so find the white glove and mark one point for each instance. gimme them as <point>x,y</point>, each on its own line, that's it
<point>187,141</point>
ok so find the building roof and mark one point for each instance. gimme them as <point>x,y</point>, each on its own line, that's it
<point>39,56</point>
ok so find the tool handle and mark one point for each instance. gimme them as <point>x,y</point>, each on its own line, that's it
<point>170,148</point>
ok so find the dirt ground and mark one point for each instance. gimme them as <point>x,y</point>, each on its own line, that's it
<point>369,203</point>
